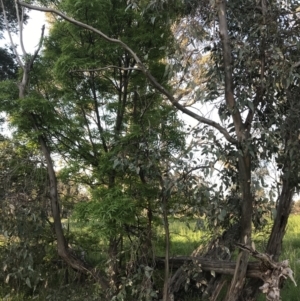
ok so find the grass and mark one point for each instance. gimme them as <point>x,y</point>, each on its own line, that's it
<point>291,251</point>
<point>184,239</point>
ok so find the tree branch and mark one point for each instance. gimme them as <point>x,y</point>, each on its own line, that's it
<point>10,37</point>
<point>261,88</point>
<point>20,23</point>
<point>104,68</point>
<point>39,47</point>
<point>229,90</point>
<point>141,67</point>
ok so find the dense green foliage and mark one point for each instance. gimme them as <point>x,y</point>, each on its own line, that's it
<point>23,215</point>
<point>126,164</point>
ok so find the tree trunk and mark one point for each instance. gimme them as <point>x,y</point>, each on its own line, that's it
<point>238,281</point>
<point>166,296</point>
<point>274,246</point>
<point>62,246</point>
<point>61,241</point>
<point>244,159</point>
<point>113,263</point>
<point>283,211</point>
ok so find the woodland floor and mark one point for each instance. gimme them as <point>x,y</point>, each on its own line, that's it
<point>184,240</point>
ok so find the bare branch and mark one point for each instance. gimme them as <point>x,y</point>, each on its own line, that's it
<point>39,47</point>
<point>104,68</point>
<point>271,277</point>
<point>141,67</point>
<point>10,37</point>
<point>20,23</point>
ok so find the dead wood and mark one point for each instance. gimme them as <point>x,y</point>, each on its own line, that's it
<point>275,271</point>
<point>265,269</point>
<point>254,270</point>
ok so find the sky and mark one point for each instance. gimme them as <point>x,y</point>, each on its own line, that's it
<point>32,32</point>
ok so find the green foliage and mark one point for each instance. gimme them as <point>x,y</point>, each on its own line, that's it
<point>107,212</point>
<point>23,218</point>
<point>8,95</point>
<point>9,68</point>
<point>125,149</point>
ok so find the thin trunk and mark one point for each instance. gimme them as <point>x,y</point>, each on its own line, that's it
<point>167,248</point>
<point>149,231</point>
<point>274,246</point>
<point>123,93</point>
<point>96,108</point>
<point>238,280</point>
<point>89,131</point>
<point>62,246</point>
<point>61,241</point>
<point>114,242</point>
<point>113,264</point>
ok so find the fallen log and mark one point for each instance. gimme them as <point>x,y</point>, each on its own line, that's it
<point>269,271</point>
<point>255,269</point>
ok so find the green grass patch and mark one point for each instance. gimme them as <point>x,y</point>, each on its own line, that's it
<point>184,238</point>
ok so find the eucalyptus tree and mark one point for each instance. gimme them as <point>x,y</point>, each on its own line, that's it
<point>252,79</point>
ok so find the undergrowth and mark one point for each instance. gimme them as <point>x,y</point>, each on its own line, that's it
<point>184,239</point>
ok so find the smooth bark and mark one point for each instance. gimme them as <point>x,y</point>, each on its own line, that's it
<point>244,159</point>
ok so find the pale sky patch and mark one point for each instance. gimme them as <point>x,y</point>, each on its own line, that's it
<point>31,32</point>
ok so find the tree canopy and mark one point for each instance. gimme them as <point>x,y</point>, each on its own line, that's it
<point>101,102</point>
